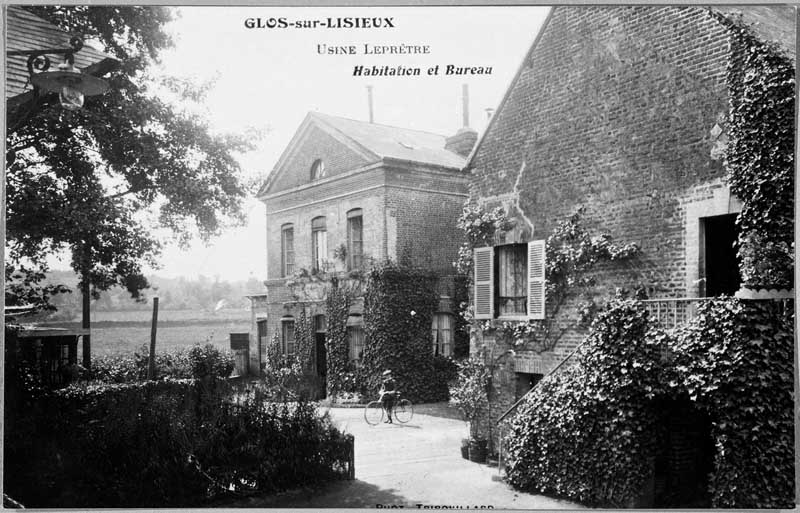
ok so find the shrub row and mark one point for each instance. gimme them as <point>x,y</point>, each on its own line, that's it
<point>588,433</point>
<point>197,361</point>
<point>163,443</point>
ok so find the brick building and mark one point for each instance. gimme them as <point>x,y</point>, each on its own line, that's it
<point>620,110</point>
<point>345,193</point>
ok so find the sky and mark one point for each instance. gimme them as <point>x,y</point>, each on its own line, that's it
<point>270,78</point>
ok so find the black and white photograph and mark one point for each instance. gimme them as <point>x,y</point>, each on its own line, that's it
<point>431,256</point>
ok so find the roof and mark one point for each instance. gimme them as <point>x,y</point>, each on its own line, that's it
<point>26,31</point>
<point>776,23</point>
<point>373,142</point>
<point>386,141</point>
<point>34,331</point>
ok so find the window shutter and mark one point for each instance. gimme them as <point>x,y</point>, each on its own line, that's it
<point>536,279</point>
<point>483,260</point>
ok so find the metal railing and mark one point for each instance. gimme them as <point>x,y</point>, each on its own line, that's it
<point>670,312</point>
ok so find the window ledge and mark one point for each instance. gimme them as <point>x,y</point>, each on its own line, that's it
<point>512,318</point>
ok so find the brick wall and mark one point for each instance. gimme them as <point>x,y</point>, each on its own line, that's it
<point>312,204</point>
<point>316,144</point>
<point>613,111</point>
<point>424,208</point>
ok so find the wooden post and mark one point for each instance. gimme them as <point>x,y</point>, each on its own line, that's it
<point>86,322</point>
<point>151,367</point>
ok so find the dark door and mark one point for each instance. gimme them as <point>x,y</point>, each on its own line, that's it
<point>321,355</point>
<point>721,264</point>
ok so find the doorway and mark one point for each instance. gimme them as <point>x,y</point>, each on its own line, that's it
<point>684,458</point>
<point>718,254</point>
<point>321,363</point>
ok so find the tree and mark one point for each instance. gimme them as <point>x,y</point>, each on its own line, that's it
<point>99,180</point>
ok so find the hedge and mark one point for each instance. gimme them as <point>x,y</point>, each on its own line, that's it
<point>164,443</point>
<point>588,433</point>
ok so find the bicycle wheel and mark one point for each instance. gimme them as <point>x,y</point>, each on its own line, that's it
<point>403,411</point>
<point>373,413</point>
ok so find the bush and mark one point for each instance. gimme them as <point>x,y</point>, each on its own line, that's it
<point>165,443</point>
<point>469,394</point>
<point>197,361</point>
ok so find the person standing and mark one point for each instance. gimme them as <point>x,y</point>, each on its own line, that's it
<point>388,391</point>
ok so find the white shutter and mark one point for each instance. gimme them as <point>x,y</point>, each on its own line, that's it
<point>483,261</point>
<point>536,279</point>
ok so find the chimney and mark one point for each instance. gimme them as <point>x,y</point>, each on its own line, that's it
<point>463,140</point>
<point>369,101</point>
<point>465,105</point>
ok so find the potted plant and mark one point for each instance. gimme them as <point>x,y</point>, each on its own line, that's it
<point>469,395</point>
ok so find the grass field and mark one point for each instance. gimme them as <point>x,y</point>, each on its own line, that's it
<point>126,332</point>
<point>113,340</point>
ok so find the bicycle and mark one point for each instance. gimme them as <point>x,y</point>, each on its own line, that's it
<point>402,411</point>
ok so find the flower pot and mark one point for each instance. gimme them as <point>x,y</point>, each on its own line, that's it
<point>477,451</point>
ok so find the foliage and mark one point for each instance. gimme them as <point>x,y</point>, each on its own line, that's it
<point>304,340</point>
<point>208,361</point>
<point>399,303</point>
<point>337,308</point>
<point>182,439</point>
<point>81,179</point>
<point>590,432</point>
<point>469,393</point>
<point>461,327</point>
<point>479,227</point>
<point>759,155</point>
<point>198,361</point>
<point>572,254</point>
<point>736,362</point>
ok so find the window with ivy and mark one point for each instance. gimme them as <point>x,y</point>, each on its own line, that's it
<point>288,337</point>
<point>509,281</point>
<point>442,331</point>
<point>355,342</point>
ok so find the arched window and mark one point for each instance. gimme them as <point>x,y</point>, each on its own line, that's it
<point>319,242</point>
<point>355,239</point>
<point>317,169</point>
<point>287,329</point>
<point>287,249</point>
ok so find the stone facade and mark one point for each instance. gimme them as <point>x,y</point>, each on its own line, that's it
<point>408,205</point>
<point>620,110</point>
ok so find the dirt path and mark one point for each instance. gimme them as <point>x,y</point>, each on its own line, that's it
<point>416,465</point>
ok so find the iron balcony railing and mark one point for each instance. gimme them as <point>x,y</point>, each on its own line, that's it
<point>671,312</point>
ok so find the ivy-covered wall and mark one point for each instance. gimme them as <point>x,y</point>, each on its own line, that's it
<point>337,308</point>
<point>590,433</point>
<point>399,304</point>
<point>759,155</point>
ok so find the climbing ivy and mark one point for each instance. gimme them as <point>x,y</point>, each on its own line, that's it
<point>735,361</point>
<point>572,254</point>
<point>399,304</point>
<point>337,308</point>
<point>760,155</point>
<point>304,340</point>
<point>590,432</point>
